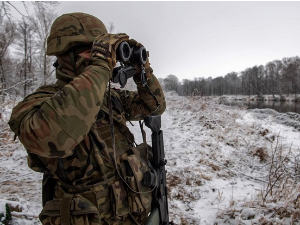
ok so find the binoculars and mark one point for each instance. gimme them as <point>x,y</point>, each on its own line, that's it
<point>127,56</point>
<point>136,55</point>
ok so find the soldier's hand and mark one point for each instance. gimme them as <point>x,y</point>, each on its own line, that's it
<point>148,69</point>
<point>105,46</point>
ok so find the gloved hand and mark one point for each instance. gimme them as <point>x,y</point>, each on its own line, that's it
<point>105,46</point>
<point>138,68</point>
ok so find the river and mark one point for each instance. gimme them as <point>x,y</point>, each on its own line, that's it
<point>279,106</point>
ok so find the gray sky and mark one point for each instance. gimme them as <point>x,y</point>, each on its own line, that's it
<point>202,39</point>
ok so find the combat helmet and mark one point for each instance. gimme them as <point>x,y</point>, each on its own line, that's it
<point>73,29</point>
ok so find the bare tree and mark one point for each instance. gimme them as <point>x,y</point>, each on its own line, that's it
<point>41,22</point>
<point>218,86</point>
<point>7,36</point>
<point>171,82</point>
<point>272,77</point>
<point>25,48</point>
<point>8,6</point>
<point>233,83</point>
<point>291,73</point>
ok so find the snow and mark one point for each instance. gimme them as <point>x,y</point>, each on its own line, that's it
<point>218,160</point>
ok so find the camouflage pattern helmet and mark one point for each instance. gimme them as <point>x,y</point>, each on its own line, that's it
<point>73,29</point>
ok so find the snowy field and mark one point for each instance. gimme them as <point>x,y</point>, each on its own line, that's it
<point>226,165</point>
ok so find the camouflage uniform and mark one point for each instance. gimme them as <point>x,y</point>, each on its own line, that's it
<point>66,132</point>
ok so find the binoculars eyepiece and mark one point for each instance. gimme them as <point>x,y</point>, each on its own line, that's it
<point>127,53</point>
<point>136,55</point>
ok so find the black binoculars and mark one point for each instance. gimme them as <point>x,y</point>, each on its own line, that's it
<point>126,53</point>
<point>127,56</point>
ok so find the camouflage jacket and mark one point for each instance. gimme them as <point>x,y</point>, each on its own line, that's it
<point>65,127</point>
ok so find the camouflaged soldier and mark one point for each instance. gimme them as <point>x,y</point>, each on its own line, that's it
<point>65,128</point>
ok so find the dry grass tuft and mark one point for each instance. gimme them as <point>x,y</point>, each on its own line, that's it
<point>261,153</point>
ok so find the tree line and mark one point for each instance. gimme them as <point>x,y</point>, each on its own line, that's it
<point>24,65</point>
<point>278,77</point>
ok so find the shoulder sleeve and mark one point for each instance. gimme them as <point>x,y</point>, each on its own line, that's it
<point>52,124</point>
<point>138,104</point>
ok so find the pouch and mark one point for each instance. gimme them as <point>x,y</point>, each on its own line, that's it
<point>139,195</point>
<point>80,211</point>
<point>119,200</point>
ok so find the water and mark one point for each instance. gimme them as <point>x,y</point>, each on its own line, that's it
<point>279,106</point>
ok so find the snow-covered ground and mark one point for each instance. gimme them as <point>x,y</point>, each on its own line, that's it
<point>218,164</point>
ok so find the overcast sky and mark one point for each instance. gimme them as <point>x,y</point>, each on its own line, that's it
<point>202,39</point>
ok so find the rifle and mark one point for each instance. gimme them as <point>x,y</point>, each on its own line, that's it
<point>157,178</point>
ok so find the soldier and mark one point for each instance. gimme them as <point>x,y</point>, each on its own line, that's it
<point>75,130</point>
